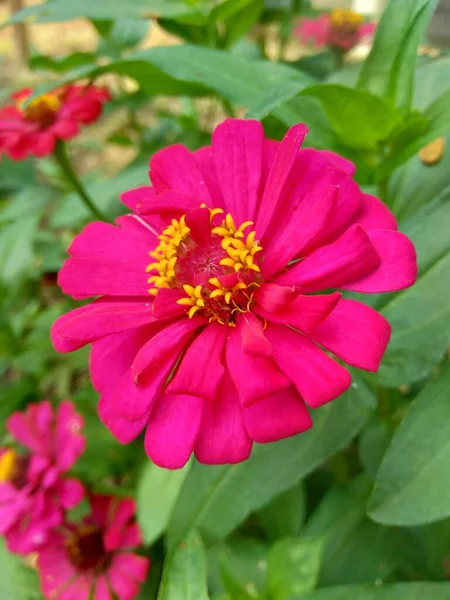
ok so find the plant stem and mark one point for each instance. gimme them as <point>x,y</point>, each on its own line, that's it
<point>62,159</point>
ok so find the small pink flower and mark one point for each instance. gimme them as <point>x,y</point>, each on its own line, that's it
<point>96,558</point>
<point>341,28</point>
<point>35,129</point>
<point>227,348</point>
<point>33,492</point>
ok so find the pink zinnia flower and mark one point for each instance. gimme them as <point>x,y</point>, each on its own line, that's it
<point>35,129</point>
<point>341,28</point>
<point>33,492</point>
<point>226,346</point>
<point>96,558</point>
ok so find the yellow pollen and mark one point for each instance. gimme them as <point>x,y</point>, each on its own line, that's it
<point>213,300</point>
<point>40,108</point>
<point>341,17</point>
<point>8,462</point>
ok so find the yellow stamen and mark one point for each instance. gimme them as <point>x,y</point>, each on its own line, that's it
<point>8,462</point>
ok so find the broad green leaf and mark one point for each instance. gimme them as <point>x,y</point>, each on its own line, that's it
<point>65,10</point>
<point>17,582</point>
<point>243,563</point>
<point>293,567</point>
<point>284,515</point>
<point>420,315</point>
<point>390,591</point>
<point>208,497</point>
<point>156,496</point>
<point>373,443</point>
<point>413,483</point>
<point>193,70</point>
<point>360,119</point>
<point>438,115</point>
<point>16,248</point>
<point>415,183</point>
<point>389,69</point>
<point>184,576</point>
<point>272,99</point>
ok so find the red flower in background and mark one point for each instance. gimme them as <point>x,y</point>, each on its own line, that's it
<point>227,345</point>
<point>96,558</point>
<point>341,28</point>
<point>33,492</point>
<point>34,129</point>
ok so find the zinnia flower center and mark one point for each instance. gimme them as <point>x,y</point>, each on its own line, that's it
<point>214,262</point>
<point>14,468</point>
<point>87,551</point>
<point>345,21</point>
<point>41,110</point>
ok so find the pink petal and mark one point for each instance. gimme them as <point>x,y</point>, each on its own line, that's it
<point>131,537</point>
<point>204,159</point>
<point>198,221</point>
<point>167,202</point>
<point>272,297</point>
<point>165,304</point>
<point>222,438</point>
<point>254,341</point>
<point>112,356</point>
<point>33,428</point>
<point>69,441</point>
<point>133,198</point>
<point>339,161</point>
<point>281,168</point>
<point>123,430</point>
<point>80,589</point>
<point>70,492</point>
<point>161,351</point>
<point>277,417</point>
<point>312,208</point>
<point>304,313</point>
<point>350,257</point>
<point>375,215</point>
<point>255,377</point>
<point>238,146</point>
<point>102,589</point>
<point>83,326</point>
<point>120,516</point>
<point>317,377</point>
<point>175,168</point>
<point>136,566</point>
<point>201,369</point>
<point>398,264</point>
<point>107,260</point>
<point>356,333</point>
<point>173,429</point>
<point>122,585</point>
<point>136,391</point>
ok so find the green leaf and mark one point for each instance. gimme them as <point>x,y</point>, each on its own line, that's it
<point>420,315</point>
<point>395,591</point>
<point>184,576</point>
<point>389,69</point>
<point>243,567</point>
<point>16,248</point>
<point>293,567</point>
<point>208,497</point>
<point>438,115</point>
<point>17,582</point>
<point>65,10</point>
<point>360,119</point>
<point>156,496</point>
<point>190,70</point>
<point>284,515</point>
<point>373,444</point>
<point>413,483</point>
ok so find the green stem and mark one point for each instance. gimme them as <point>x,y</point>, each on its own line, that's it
<point>62,159</point>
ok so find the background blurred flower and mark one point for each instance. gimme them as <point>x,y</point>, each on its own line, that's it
<point>33,493</point>
<point>340,28</point>
<point>229,318</point>
<point>95,558</point>
<point>35,128</point>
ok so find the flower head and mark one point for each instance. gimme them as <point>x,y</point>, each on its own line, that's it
<point>34,128</point>
<point>33,492</point>
<point>95,558</point>
<point>217,339</point>
<point>341,28</point>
